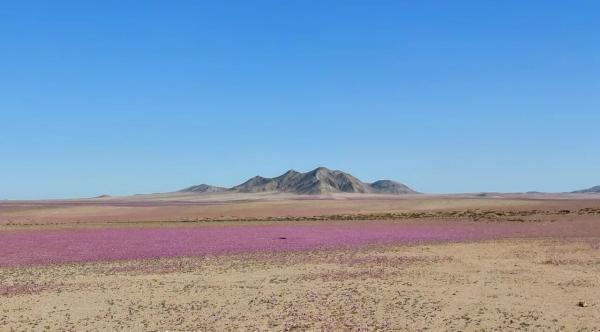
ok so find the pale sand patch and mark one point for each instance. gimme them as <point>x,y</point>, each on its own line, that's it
<point>498,285</point>
<point>198,207</point>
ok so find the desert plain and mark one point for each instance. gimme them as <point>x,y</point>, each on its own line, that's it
<point>284,262</point>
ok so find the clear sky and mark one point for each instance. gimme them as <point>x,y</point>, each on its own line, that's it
<point>123,97</point>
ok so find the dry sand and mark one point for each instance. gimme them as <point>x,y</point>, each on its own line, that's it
<point>500,285</point>
<point>180,207</point>
<point>535,284</point>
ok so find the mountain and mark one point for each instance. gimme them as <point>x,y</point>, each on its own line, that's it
<point>103,196</point>
<point>318,181</point>
<point>592,190</point>
<point>391,187</point>
<point>204,188</point>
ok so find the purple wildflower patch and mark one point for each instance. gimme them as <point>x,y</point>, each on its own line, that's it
<point>41,247</point>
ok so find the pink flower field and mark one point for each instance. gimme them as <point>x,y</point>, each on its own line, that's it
<point>42,247</point>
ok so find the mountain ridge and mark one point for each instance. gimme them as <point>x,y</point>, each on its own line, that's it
<point>321,180</point>
<point>592,190</point>
<point>203,188</point>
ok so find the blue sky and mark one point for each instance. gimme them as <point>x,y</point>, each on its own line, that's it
<point>124,97</point>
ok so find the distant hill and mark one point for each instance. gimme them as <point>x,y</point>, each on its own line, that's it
<point>103,196</point>
<point>391,187</point>
<point>592,190</point>
<point>318,181</point>
<point>204,188</point>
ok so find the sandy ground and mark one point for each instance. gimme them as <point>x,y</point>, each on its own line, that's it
<point>504,285</point>
<point>177,207</point>
<point>546,280</point>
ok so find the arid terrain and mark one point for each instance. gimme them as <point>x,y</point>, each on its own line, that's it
<point>299,166</point>
<point>265,261</point>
